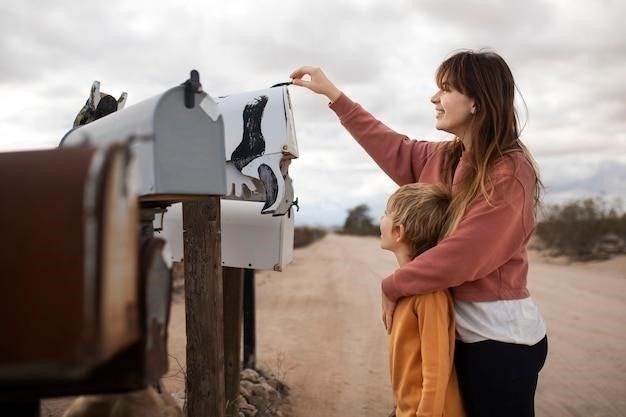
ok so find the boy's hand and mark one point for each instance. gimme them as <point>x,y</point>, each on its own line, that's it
<point>388,308</point>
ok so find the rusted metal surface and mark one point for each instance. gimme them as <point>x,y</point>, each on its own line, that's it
<point>70,299</point>
<point>156,284</point>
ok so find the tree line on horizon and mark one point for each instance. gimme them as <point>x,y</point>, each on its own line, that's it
<point>584,229</point>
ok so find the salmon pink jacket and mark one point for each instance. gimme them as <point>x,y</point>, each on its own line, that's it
<point>485,258</point>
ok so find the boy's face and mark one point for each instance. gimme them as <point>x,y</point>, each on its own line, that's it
<point>387,239</point>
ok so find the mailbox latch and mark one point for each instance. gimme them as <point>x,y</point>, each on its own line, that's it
<point>192,86</point>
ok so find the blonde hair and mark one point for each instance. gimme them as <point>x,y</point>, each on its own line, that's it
<point>424,211</point>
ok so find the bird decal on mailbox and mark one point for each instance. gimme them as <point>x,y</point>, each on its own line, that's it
<point>252,143</point>
<point>260,143</point>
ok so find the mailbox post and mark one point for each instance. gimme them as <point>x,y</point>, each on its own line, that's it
<point>205,385</point>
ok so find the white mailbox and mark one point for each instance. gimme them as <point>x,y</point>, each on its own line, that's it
<point>254,240</point>
<point>260,142</point>
<point>177,138</point>
<point>249,239</point>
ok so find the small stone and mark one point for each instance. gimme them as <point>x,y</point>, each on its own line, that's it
<point>271,393</point>
<point>244,391</point>
<point>278,386</point>
<point>260,403</point>
<point>249,375</point>
<point>247,409</point>
<point>266,373</point>
<point>247,387</point>
<point>261,390</point>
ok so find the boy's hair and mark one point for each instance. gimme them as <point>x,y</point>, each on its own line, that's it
<point>423,210</point>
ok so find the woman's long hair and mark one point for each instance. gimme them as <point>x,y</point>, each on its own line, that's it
<point>486,78</point>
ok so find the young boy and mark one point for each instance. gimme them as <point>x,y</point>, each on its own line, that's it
<point>421,342</point>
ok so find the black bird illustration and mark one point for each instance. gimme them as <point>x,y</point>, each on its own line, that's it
<point>252,143</point>
<point>252,146</point>
<point>267,177</point>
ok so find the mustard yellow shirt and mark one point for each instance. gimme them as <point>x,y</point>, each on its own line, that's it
<point>421,357</point>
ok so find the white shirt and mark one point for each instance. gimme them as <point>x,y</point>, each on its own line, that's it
<point>510,321</point>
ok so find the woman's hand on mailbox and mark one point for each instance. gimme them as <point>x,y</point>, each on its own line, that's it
<point>316,82</point>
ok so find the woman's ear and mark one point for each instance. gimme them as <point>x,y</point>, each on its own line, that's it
<point>474,107</point>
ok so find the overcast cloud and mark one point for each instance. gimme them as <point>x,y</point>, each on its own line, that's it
<point>568,57</point>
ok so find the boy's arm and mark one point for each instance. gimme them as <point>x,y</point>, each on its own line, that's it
<point>433,314</point>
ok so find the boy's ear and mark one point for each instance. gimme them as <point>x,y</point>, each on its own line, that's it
<point>399,233</point>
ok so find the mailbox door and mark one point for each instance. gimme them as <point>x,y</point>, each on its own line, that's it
<point>71,301</point>
<point>189,152</point>
<point>48,291</point>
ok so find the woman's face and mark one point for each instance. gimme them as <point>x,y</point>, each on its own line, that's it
<point>454,110</point>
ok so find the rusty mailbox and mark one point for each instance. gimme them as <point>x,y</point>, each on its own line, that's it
<point>70,296</point>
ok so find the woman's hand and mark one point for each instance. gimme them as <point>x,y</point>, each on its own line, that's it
<point>317,82</point>
<point>388,308</point>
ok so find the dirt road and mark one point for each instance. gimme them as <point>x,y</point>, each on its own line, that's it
<point>318,323</point>
<point>319,328</point>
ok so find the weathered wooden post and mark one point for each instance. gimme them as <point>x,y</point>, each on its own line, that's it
<point>204,300</point>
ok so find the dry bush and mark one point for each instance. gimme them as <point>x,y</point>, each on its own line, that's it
<point>585,229</point>
<point>360,223</point>
<point>304,236</point>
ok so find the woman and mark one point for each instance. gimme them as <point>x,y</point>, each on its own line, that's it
<point>501,337</point>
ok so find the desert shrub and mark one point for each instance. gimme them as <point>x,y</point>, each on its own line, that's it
<point>304,236</point>
<point>581,229</point>
<point>358,222</point>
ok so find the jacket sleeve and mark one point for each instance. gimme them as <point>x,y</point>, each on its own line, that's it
<point>434,324</point>
<point>488,235</point>
<point>399,157</point>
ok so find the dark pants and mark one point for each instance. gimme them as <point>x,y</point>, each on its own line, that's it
<point>499,379</point>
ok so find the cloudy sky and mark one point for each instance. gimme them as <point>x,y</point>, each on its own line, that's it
<point>568,57</point>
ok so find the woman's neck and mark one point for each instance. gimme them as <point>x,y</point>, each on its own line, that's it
<point>467,143</point>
